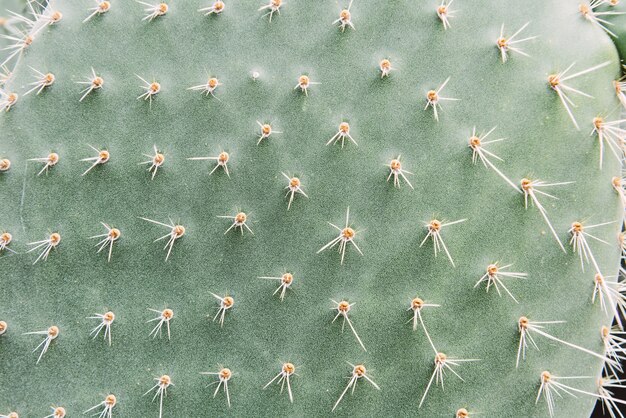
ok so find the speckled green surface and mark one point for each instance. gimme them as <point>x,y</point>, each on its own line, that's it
<point>387,118</point>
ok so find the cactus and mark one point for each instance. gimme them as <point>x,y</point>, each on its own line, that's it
<point>9,22</point>
<point>259,123</point>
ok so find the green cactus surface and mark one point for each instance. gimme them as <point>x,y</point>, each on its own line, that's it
<point>8,22</point>
<point>257,63</point>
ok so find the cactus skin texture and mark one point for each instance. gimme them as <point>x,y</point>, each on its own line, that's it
<point>620,31</point>
<point>387,118</point>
